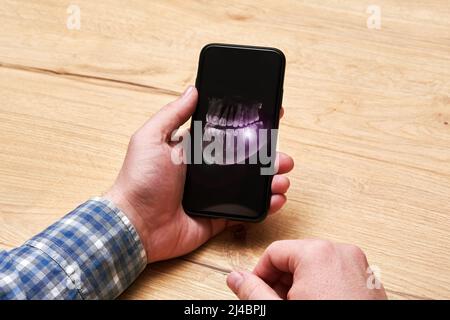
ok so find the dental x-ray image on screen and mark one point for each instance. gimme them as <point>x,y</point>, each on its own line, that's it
<point>240,92</point>
<point>232,123</point>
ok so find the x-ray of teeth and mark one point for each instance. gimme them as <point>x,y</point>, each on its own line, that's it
<point>231,131</point>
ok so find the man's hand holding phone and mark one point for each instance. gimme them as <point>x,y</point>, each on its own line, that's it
<point>149,187</point>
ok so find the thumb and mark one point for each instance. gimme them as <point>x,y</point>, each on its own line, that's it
<point>248,286</point>
<point>174,114</point>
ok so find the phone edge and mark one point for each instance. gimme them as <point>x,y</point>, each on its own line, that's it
<point>280,92</point>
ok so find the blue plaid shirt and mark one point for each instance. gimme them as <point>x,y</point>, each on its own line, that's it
<point>94,252</point>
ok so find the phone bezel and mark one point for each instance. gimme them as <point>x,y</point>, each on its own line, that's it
<point>279,100</point>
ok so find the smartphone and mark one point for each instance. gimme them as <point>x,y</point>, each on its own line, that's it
<point>233,133</point>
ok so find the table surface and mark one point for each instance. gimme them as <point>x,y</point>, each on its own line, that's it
<point>367,121</point>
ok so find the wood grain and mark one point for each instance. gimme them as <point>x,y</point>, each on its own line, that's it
<point>168,279</point>
<point>367,121</point>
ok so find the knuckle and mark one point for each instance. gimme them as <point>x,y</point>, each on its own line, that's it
<point>288,182</point>
<point>356,252</point>
<point>133,139</point>
<point>323,247</point>
<point>274,246</point>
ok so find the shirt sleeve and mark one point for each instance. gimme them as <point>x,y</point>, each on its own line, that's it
<point>94,252</point>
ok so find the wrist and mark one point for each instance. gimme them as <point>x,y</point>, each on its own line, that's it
<point>125,205</point>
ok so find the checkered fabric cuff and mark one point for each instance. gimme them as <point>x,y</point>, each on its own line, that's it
<point>97,248</point>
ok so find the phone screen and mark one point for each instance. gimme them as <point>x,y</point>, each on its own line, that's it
<point>240,92</point>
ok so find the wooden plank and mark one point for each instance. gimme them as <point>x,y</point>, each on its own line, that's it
<point>367,121</point>
<point>179,279</point>
<point>334,61</point>
<point>65,144</point>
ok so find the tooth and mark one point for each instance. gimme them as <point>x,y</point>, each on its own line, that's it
<point>241,133</point>
<point>248,115</point>
<point>207,133</point>
<point>237,132</point>
<point>231,114</point>
<point>208,114</point>
<point>223,118</point>
<point>237,115</point>
<point>257,111</point>
<point>244,115</point>
<point>254,113</point>
<point>211,109</point>
<point>219,106</point>
<point>217,110</point>
<point>251,111</point>
<point>220,133</point>
<point>241,116</point>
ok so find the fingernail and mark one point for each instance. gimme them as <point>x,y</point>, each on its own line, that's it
<point>234,280</point>
<point>187,92</point>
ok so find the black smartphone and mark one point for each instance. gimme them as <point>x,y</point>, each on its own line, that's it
<point>234,131</point>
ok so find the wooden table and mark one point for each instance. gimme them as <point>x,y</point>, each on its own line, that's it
<point>367,121</point>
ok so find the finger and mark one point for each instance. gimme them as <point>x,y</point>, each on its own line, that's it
<point>280,184</point>
<point>280,257</point>
<point>283,285</point>
<point>277,201</point>
<point>281,112</point>
<point>247,286</point>
<point>172,115</point>
<point>285,163</point>
<point>286,280</point>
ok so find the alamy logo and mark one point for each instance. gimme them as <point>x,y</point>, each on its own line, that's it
<point>374,20</point>
<point>374,278</point>
<point>227,146</point>
<point>73,21</point>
